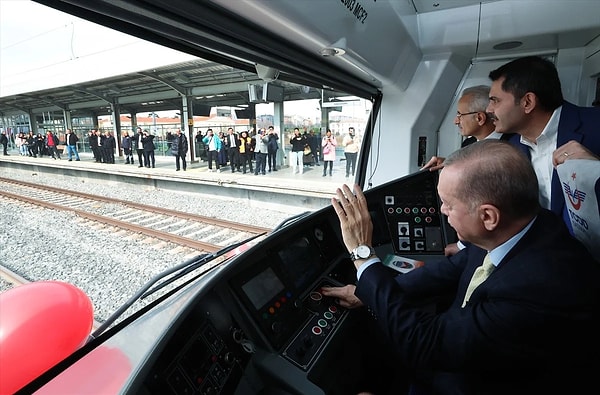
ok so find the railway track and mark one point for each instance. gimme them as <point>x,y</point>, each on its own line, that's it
<point>196,232</point>
<point>15,280</point>
<point>12,278</point>
<point>112,276</point>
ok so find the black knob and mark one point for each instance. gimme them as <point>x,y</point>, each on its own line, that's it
<point>229,358</point>
<point>276,326</point>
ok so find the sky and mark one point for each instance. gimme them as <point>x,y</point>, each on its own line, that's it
<point>43,48</point>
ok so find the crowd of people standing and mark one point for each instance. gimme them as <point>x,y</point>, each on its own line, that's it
<point>255,152</point>
<point>34,145</point>
<point>238,151</point>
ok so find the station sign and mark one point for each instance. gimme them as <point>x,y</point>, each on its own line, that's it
<point>338,103</point>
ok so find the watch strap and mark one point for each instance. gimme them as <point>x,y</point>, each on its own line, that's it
<point>353,257</point>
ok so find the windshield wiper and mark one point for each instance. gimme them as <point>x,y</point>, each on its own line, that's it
<point>291,219</point>
<point>180,270</point>
<point>198,261</point>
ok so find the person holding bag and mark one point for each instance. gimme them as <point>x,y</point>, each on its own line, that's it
<point>328,145</point>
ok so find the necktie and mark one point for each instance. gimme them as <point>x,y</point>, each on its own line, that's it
<point>479,276</point>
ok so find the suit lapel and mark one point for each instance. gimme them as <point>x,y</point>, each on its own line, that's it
<point>569,125</point>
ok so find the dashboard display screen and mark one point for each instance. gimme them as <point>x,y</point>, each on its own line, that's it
<point>263,287</point>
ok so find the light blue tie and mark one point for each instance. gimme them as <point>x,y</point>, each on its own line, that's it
<point>479,276</point>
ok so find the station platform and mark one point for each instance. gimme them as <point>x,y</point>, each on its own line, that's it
<point>309,191</point>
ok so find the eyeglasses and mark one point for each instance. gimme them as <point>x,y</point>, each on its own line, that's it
<point>458,114</point>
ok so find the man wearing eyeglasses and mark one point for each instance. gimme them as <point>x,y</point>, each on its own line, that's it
<point>471,118</point>
<point>474,123</point>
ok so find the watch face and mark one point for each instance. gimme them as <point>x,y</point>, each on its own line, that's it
<point>363,251</point>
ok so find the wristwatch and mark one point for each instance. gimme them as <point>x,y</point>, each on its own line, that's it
<point>362,252</point>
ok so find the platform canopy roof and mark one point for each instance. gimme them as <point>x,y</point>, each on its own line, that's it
<point>209,83</point>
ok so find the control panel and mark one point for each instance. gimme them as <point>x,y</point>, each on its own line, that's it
<point>280,290</point>
<point>281,294</point>
<point>412,216</point>
<point>324,316</point>
<point>276,306</point>
<point>203,362</point>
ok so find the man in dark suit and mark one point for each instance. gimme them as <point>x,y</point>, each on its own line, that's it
<point>94,138</point>
<point>530,327</point>
<point>179,149</point>
<point>526,98</point>
<point>232,146</point>
<point>4,142</point>
<point>139,146</point>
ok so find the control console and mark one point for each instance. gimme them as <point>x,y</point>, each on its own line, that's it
<point>410,216</point>
<point>281,292</point>
<point>324,316</point>
<point>202,361</point>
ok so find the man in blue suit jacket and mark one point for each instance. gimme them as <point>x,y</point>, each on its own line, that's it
<point>526,98</point>
<point>530,327</point>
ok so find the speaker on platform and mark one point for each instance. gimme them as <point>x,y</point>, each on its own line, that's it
<point>202,110</point>
<point>244,114</point>
<point>272,93</point>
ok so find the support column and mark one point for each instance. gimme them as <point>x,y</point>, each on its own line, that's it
<point>134,124</point>
<point>68,122</point>
<point>116,116</point>
<point>33,125</point>
<point>252,120</point>
<point>278,125</point>
<point>324,120</point>
<point>95,120</point>
<point>187,125</point>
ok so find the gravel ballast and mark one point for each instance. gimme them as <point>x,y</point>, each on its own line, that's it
<point>41,244</point>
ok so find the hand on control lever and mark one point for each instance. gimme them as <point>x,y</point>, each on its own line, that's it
<point>344,296</point>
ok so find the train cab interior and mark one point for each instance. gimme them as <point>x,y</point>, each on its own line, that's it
<point>265,327</point>
<point>258,323</point>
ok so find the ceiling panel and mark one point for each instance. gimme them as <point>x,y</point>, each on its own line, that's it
<point>422,6</point>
